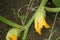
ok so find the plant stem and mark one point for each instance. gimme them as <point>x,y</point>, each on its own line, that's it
<point>52,9</point>
<point>52,32</point>
<point>31,20</point>
<point>4,20</point>
<point>27,28</point>
<point>58,38</point>
<point>43,3</point>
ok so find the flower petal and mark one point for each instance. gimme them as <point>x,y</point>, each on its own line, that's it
<point>35,25</point>
<point>38,27</point>
<point>43,21</point>
<point>13,37</point>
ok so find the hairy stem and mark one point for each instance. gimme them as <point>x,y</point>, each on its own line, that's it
<point>52,9</point>
<point>10,23</point>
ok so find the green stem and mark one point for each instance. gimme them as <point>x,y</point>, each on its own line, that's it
<point>27,28</point>
<point>58,38</point>
<point>52,9</point>
<point>43,3</point>
<point>53,27</point>
<point>4,20</point>
<point>31,20</point>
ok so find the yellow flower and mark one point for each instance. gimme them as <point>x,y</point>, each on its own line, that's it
<point>13,37</point>
<point>39,25</point>
<point>13,34</point>
<point>40,21</point>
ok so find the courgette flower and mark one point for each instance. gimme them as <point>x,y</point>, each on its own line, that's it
<point>13,34</point>
<point>13,37</point>
<point>40,21</point>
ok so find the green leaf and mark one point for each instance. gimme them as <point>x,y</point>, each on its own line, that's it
<point>18,15</point>
<point>22,17</point>
<point>14,12</point>
<point>56,2</point>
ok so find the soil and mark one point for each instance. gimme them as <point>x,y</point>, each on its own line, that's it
<point>5,10</point>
